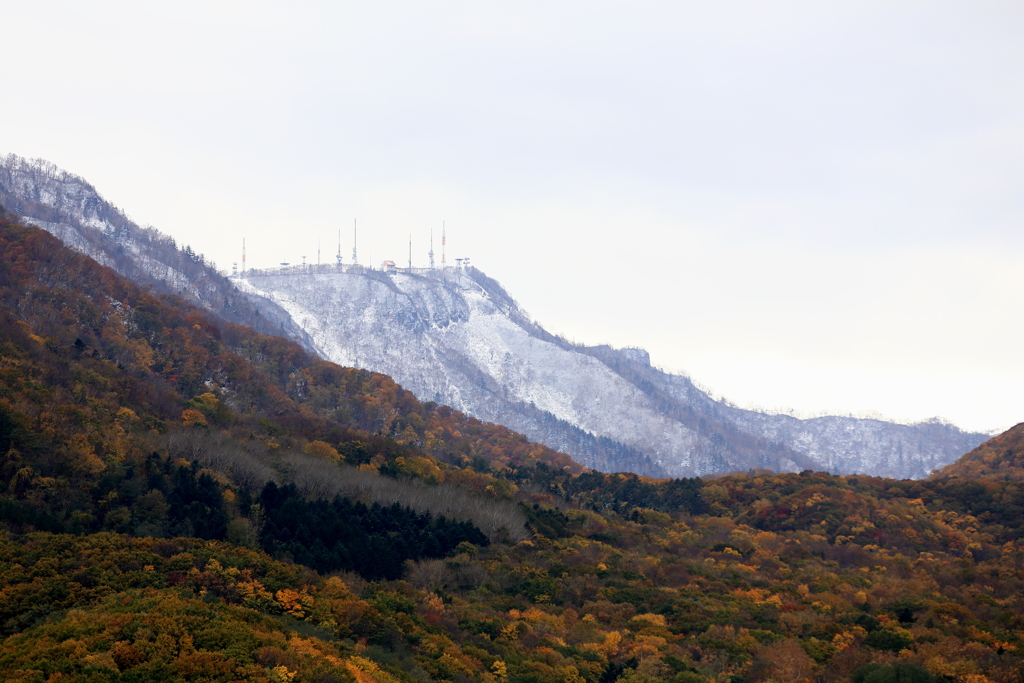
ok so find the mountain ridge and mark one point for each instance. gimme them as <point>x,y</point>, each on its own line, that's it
<point>661,424</point>
<point>67,206</point>
<point>440,334</point>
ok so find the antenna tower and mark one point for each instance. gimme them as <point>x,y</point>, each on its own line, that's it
<point>410,251</point>
<point>431,252</point>
<point>355,241</point>
<point>339,248</point>
<point>443,243</point>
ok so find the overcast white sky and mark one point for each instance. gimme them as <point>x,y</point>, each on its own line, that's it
<point>809,205</point>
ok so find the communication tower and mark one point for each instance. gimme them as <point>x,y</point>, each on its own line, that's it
<point>355,241</point>
<point>339,249</point>
<point>410,251</point>
<point>431,252</point>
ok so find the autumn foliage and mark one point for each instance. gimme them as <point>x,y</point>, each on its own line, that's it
<point>1001,457</point>
<point>182,499</point>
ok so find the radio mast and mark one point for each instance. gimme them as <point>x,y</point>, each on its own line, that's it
<point>355,240</point>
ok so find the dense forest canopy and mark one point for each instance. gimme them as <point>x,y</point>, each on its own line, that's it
<point>186,499</point>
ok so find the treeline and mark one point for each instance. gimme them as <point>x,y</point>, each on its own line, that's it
<point>322,472</point>
<point>338,535</point>
<point>163,499</point>
<point>597,452</point>
<point>149,497</point>
<point>620,492</point>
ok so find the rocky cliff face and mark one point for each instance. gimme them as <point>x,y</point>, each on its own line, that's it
<point>71,209</point>
<point>455,337</point>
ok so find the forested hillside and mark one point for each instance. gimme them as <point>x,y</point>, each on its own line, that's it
<point>1001,457</point>
<point>185,499</point>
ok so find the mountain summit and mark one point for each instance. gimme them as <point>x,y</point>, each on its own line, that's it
<point>454,336</point>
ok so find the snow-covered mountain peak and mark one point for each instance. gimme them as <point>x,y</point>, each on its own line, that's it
<point>456,337</point>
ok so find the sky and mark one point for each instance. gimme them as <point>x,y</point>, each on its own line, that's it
<point>803,206</point>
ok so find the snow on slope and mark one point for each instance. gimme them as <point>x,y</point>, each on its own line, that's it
<point>453,336</point>
<point>440,335</point>
<point>841,444</point>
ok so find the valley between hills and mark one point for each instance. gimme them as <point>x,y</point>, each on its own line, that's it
<point>187,497</point>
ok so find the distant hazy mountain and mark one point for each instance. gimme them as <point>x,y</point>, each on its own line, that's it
<point>455,336</point>
<point>71,209</point>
